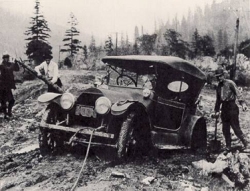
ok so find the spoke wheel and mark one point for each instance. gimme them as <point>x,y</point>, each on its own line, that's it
<point>127,140</point>
<point>48,141</point>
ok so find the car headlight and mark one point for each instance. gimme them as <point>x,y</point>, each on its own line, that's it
<point>102,105</point>
<point>67,101</point>
<point>146,93</point>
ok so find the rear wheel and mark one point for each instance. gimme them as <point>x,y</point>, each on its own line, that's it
<point>199,139</point>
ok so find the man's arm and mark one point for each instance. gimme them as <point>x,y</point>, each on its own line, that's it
<point>38,68</point>
<point>55,73</point>
<point>238,95</point>
<point>15,66</point>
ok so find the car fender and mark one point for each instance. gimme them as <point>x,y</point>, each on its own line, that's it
<point>121,107</point>
<point>48,97</point>
<point>189,124</point>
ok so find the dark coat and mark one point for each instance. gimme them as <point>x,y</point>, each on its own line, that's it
<point>7,80</point>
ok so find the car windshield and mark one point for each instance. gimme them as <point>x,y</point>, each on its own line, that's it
<point>121,77</point>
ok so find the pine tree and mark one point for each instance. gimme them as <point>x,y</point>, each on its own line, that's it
<point>196,44</point>
<point>147,43</point>
<point>175,45</point>
<point>220,45</point>
<point>38,46</point>
<point>136,36</point>
<point>92,46</point>
<point>225,39</point>
<point>85,52</point>
<point>136,50</point>
<point>122,46</point>
<point>184,28</point>
<point>72,44</point>
<point>127,48</point>
<point>207,47</point>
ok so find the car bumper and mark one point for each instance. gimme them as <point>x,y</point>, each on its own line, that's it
<point>78,130</point>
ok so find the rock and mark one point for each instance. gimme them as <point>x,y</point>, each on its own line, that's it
<point>184,169</point>
<point>207,167</point>
<point>40,178</point>
<point>29,120</point>
<point>148,180</point>
<point>118,174</point>
<point>23,127</point>
<point>190,188</point>
<point>10,165</point>
<point>33,127</point>
<point>204,189</point>
<point>28,166</point>
<point>5,148</point>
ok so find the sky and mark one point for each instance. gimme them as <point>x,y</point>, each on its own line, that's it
<point>101,18</point>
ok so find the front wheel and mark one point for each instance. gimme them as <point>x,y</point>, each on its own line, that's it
<point>126,140</point>
<point>48,140</point>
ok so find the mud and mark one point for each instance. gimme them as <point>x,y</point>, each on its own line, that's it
<point>23,168</point>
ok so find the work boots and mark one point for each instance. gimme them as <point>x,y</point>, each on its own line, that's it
<point>245,143</point>
<point>11,104</point>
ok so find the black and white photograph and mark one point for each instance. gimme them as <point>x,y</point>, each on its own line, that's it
<point>124,95</point>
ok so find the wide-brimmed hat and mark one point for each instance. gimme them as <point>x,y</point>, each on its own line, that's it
<point>48,57</point>
<point>5,55</point>
<point>220,72</point>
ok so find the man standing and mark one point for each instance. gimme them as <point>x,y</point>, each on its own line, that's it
<point>227,92</point>
<point>51,71</point>
<point>7,83</point>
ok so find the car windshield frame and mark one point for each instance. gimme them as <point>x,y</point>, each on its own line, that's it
<point>139,79</point>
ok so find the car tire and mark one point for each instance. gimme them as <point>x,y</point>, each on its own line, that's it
<point>199,140</point>
<point>48,142</point>
<point>126,137</point>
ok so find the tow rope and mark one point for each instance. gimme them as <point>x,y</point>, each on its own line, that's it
<point>84,162</point>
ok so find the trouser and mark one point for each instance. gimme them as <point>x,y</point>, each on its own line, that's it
<point>7,96</point>
<point>230,117</point>
<point>52,89</point>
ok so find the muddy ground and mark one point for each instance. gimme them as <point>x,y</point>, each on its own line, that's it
<point>23,168</point>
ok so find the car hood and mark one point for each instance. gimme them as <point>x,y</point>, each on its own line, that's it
<point>116,96</point>
<point>119,94</point>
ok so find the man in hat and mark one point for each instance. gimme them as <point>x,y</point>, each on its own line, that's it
<point>7,83</point>
<point>227,92</point>
<point>51,71</point>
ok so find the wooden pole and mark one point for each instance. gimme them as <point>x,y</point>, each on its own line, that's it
<point>116,43</point>
<point>233,69</point>
<point>43,78</point>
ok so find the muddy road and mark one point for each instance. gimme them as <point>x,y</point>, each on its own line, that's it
<point>23,168</point>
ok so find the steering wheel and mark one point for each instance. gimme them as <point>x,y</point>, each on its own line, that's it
<point>125,80</point>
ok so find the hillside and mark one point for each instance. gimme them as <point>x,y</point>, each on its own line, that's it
<point>13,39</point>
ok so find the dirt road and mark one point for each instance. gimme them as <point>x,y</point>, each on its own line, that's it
<point>23,168</point>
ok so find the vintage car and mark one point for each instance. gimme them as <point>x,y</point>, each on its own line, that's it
<point>142,102</point>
